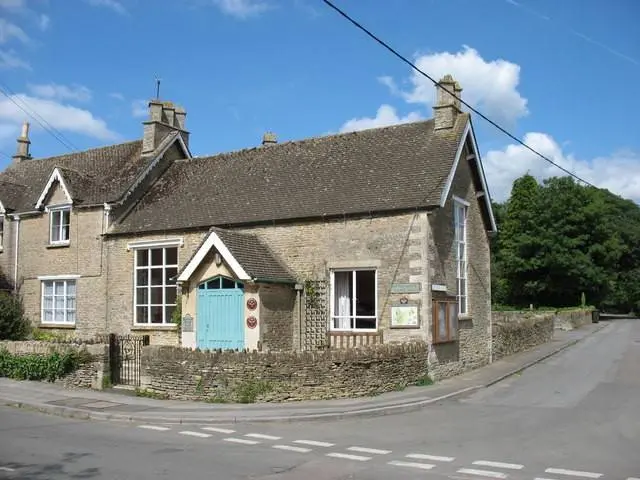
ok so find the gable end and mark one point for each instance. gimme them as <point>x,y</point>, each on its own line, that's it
<point>54,179</point>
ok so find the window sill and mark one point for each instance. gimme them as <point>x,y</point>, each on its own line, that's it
<point>58,245</point>
<point>64,326</point>
<point>159,326</point>
<point>465,318</point>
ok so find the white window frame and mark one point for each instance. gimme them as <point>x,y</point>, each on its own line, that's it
<point>354,300</point>
<point>59,210</point>
<point>461,209</point>
<point>147,247</point>
<point>54,281</point>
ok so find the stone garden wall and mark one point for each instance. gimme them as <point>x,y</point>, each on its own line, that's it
<point>170,372</point>
<point>92,371</point>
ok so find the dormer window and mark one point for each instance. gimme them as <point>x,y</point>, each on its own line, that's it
<point>59,221</point>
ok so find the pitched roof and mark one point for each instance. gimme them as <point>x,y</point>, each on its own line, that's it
<point>253,257</point>
<point>398,167</point>
<point>94,176</point>
<point>11,194</point>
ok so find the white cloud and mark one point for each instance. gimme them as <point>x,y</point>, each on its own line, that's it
<point>139,108</point>
<point>490,86</point>
<point>62,117</point>
<point>385,116</point>
<point>618,172</point>
<point>12,3</point>
<point>61,92</point>
<point>111,4</point>
<point>9,59</point>
<point>117,96</point>
<point>9,31</point>
<point>44,21</point>
<point>242,8</point>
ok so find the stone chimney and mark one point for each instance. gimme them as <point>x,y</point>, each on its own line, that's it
<point>164,117</point>
<point>269,138</point>
<point>22,150</point>
<point>447,107</point>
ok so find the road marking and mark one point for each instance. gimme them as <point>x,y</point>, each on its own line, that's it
<point>423,466</point>
<point>195,434</point>
<point>435,458</point>
<point>313,443</point>
<point>154,427</point>
<point>346,456</point>
<point>369,450</point>
<point>633,478</point>
<point>244,441</point>
<point>482,473</point>
<point>487,463</point>
<point>261,436</point>
<point>219,430</point>
<point>575,473</point>
<point>291,448</point>
<point>7,469</point>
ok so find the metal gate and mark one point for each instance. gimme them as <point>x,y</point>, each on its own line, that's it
<point>125,357</point>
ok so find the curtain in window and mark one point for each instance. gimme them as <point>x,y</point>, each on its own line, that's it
<point>342,299</point>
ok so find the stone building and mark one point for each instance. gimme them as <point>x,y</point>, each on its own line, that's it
<point>375,236</point>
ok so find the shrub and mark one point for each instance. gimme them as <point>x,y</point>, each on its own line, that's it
<point>13,324</point>
<point>40,367</point>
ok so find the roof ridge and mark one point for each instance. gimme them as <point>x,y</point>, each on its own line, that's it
<point>367,131</point>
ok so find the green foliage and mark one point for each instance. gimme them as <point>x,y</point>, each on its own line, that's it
<point>40,367</point>
<point>249,391</point>
<point>424,381</point>
<point>176,315</point>
<point>144,392</point>
<point>560,243</point>
<point>47,336</point>
<point>216,399</point>
<point>13,324</point>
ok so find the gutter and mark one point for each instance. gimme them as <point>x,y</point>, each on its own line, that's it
<point>274,280</point>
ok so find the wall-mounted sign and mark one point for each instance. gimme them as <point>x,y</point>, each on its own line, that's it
<point>252,303</point>
<point>405,288</point>
<point>187,323</point>
<point>404,316</point>
<point>252,322</point>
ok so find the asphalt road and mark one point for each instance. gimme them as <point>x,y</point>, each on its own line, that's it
<point>574,416</point>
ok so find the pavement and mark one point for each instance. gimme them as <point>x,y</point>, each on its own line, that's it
<point>122,406</point>
<point>571,416</point>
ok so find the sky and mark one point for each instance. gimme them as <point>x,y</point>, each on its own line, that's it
<point>560,76</point>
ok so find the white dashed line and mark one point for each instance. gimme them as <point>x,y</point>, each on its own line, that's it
<point>291,448</point>
<point>346,456</point>
<point>261,436</point>
<point>575,473</point>
<point>482,473</point>
<point>243,441</point>
<point>487,463</point>
<point>375,451</point>
<point>7,469</point>
<point>423,466</point>
<point>313,443</point>
<point>633,478</point>
<point>435,458</point>
<point>154,427</point>
<point>195,434</point>
<point>218,430</point>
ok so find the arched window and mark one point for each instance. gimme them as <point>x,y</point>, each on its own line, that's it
<point>217,283</point>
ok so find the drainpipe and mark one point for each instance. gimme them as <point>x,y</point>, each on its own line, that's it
<point>298,288</point>
<point>16,247</point>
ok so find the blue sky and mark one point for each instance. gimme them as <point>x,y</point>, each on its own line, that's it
<point>560,75</point>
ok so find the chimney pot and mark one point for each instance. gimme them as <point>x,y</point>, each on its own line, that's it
<point>269,138</point>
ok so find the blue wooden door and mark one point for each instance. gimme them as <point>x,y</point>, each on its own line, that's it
<point>219,320</point>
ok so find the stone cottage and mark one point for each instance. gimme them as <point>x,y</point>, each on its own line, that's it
<point>375,236</point>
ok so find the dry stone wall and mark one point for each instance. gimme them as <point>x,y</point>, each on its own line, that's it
<point>515,332</point>
<point>171,372</point>
<point>93,373</point>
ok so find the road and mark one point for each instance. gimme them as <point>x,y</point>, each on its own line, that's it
<point>574,416</point>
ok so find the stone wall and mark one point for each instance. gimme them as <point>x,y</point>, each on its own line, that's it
<point>571,319</point>
<point>515,332</point>
<point>184,374</point>
<point>92,374</point>
<point>276,314</point>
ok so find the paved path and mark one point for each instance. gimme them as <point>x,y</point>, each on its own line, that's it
<point>87,404</point>
<point>574,416</point>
